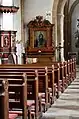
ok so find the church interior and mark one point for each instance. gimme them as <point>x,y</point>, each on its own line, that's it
<point>39,59</point>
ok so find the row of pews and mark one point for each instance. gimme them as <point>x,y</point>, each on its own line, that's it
<point>29,90</point>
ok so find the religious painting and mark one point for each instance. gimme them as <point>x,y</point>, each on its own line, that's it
<point>40,39</point>
<point>40,35</point>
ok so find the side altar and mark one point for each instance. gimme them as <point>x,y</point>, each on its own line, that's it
<point>40,43</point>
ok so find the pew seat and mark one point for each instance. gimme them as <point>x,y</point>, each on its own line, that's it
<point>32,90</point>
<point>13,116</point>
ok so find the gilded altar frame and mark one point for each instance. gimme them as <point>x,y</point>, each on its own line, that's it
<point>44,27</point>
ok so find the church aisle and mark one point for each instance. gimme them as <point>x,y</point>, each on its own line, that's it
<point>67,106</point>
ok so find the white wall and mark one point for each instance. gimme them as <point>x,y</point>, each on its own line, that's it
<point>0,15</point>
<point>33,8</point>
<point>17,20</point>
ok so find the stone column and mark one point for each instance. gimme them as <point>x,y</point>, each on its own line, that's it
<point>54,21</point>
<point>19,46</point>
<point>60,32</point>
<point>22,21</point>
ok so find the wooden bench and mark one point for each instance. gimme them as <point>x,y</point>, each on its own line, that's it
<point>54,77</point>
<point>66,81</point>
<point>4,101</point>
<point>4,105</point>
<point>63,79</point>
<point>33,99</point>
<point>57,74</point>
<point>71,69</point>
<point>17,86</point>
<point>74,66</point>
<point>53,74</point>
<point>42,74</point>
<point>33,103</point>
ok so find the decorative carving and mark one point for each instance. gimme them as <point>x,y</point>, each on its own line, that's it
<point>8,9</point>
<point>5,85</point>
<point>40,35</point>
<point>7,39</point>
<point>39,22</point>
<point>13,40</point>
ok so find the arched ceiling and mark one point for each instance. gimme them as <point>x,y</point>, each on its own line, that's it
<point>58,6</point>
<point>73,6</point>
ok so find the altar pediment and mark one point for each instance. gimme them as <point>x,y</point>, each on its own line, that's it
<point>39,22</point>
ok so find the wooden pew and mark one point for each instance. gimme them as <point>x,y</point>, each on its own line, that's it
<point>62,78</point>
<point>23,68</point>
<point>17,86</point>
<point>73,60</point>
<point>4,101</point>
<point>74,66</point>
<point>51,86</point>
<point>70,70</point>
<point>35,110</point>
<point>66,83</point>
<point>57,73</point>
<point>18,99</point>
<point>62,81</point>
<point>4,105</point>
<point>42,74</point>
<point>33,104</point>
<point>71,64</point>
<point>53,76</point>
<point>65,73</point>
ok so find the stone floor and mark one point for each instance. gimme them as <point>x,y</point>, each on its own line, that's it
<point>67,106</point>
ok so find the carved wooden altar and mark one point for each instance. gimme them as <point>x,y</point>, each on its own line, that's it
<point>40,43</point>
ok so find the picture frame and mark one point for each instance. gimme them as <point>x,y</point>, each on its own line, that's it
<point>40,35</point>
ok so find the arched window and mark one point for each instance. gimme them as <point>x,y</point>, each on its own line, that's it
<point>7,17</point>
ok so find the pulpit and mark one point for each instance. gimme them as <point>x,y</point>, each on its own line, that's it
<point>7,41</point>
<point>40,43</point>
<point>7,37</point>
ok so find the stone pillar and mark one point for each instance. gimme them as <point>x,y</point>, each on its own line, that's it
<point>60,37</point>
<point>54,21</point>
<point>22,41</point>
<point>22,21</point>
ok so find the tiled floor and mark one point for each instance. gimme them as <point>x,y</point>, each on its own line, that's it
<point>67,106</point>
